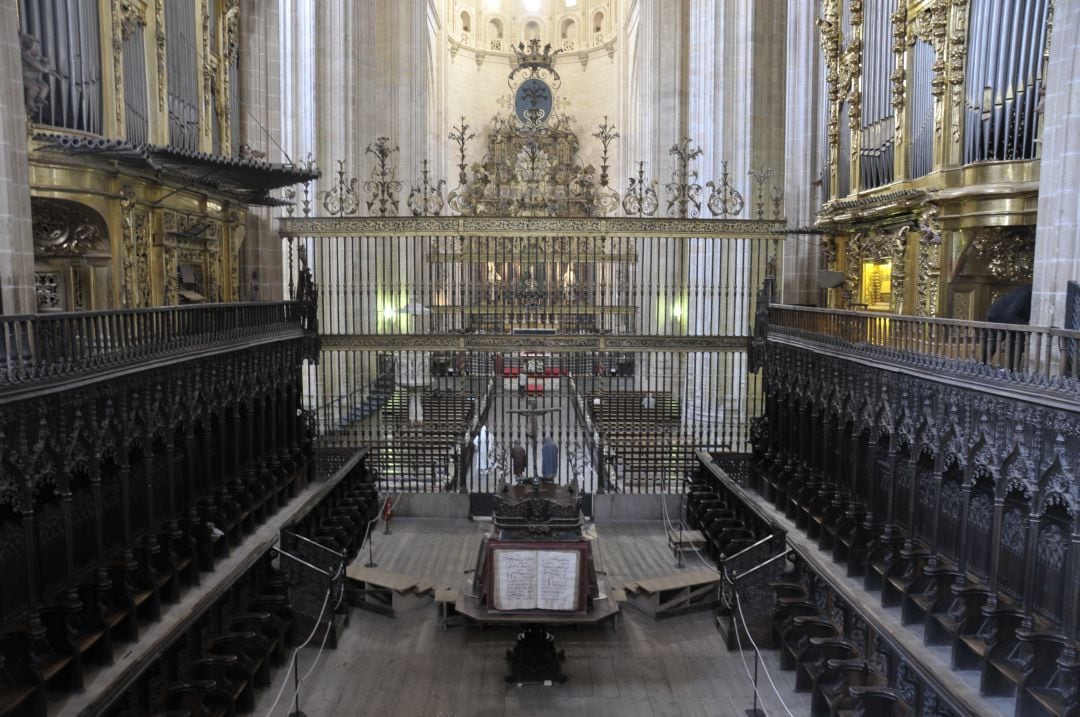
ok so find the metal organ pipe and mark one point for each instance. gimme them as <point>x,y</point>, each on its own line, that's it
<point>973,77</point>
<point>876,155</point>
<point>67,34</point>
<point>1007,41</point>
<point>1019,77</point>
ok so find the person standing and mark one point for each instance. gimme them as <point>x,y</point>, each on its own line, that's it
<point>523,381</point>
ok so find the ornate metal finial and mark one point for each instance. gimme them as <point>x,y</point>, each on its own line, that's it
<point>776,194</point>
<point>342,200</point>
<point>684,191</point>
<point>383,185</point>
<point>461,198</point>
<point>761,176</point>
<point>308,165</point>
<point>641,199</point>
<point>290,194</point>
<point>724,201</point>
<point>426,199</point>
<point>607,199</point>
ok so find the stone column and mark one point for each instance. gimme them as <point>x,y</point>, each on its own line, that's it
<point>16,244</point>
<point>260,121</point>
<point>1057,245</point>
<point>802,148</point>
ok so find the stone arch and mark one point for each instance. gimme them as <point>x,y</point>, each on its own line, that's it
<point>568,33</point>
<point>599,25</point>
<point>70,238</point>
<point>532,29</point>
<point>496,30</point>
<point>465,26</point>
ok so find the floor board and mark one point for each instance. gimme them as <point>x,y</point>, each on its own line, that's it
<point>411,666</point>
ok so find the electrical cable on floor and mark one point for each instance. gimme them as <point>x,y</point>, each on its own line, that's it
<point>322,646</point>
<point>292,662</point>
<point>738,643</point>
<point>738,604</point>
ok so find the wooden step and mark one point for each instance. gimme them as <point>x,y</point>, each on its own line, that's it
<point>387,592</point>
<point>674,594</point>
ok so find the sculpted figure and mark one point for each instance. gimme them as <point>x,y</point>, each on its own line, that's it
<point>35,68</point>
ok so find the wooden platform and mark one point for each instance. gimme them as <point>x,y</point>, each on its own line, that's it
<point>675,594</point>
<point>384,591</point>
<point>686,540</point>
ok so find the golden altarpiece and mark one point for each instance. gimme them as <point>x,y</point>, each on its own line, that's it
<point>140,182</point>
<point>930,162</point>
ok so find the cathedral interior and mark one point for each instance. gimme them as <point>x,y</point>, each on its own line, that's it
<point>500,357</point>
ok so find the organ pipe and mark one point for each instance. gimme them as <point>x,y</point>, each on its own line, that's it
<point>1004,78</point>
<point>921,109</point>
<point>67,33</point>
<point>182,74</point>
<point>878,132</point>
<point>136,120</point>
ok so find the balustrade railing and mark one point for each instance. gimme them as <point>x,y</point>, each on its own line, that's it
<point>1036,352</point>
<point>44,346</point>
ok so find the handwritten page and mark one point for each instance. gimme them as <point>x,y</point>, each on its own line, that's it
<point>515,579</point>
<point>536,579</point>
<point>557,579</point>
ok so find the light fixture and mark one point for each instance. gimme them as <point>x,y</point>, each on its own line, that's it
<point>389,313</point>
<point>676,311</point>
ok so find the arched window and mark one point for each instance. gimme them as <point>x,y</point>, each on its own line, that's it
<point>598,28</point>
<point>568,34</point>
<point>466,27</point>
<point>532,30</point>
<point>495,34</point>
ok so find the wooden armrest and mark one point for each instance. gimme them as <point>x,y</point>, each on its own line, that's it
<point>832,642</point>
<point>790,602</point>
<point>876,691</point>
<point>780,585</point>
<point>855,664</point>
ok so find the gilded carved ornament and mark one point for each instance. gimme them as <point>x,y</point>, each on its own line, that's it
<point>65,228</point>
<point>898,77</point>
<point>118,63</point>
<point>957,61</point>
<point>135,250</point>
<point>829,27</point>
<point>231,47</point>
<point>929,261</point>
<point>237,234</point>
<point>207,70</point>
<point>932,26</point>
<point>878,245</point>
<point>131,16</point>
<point>159,39</point>
<point>1009,252</point>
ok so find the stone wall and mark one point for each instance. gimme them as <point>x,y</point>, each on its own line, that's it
<point>16,241</point>
<point>1057,237</point>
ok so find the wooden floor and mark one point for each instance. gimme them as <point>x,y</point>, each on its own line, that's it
<point>410,666</point>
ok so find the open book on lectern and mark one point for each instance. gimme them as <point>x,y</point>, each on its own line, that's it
<point>536,579</point>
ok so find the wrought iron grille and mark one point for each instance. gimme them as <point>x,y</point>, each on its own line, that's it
<point>624,340</point>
